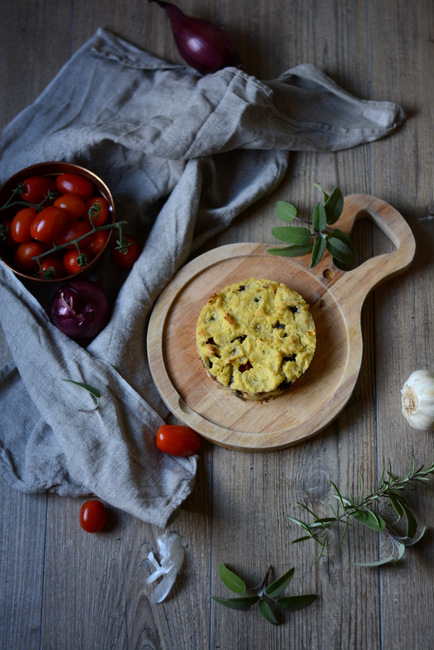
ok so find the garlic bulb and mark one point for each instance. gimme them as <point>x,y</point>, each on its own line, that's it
<point>417,400</point>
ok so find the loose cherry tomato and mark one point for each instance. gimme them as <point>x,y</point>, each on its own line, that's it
<point>177,440</point>
<point>96,243</point>
<point>48,224</point>
<point>73,204</point>
<point>37,188</point>
<point>51,267</point>
<point>126,252</point>
<point>20,225</point>
<point>93,515</point>
<point>74,262</point>
<point>24,253</point>
<point>97,211</point>
<point>74,230</point>
<point>74,184</point>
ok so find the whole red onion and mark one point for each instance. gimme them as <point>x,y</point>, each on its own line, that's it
<point>80,309</point>
<point>200,42</point>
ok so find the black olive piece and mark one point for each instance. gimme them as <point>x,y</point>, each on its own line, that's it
<point>291,358</point>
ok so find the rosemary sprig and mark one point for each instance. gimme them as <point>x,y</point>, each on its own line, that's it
<point>317,237</point>
<point>389,490</point>
<point>267,594</point>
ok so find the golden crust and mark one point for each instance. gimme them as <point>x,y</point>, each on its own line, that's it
<point>256,338</point>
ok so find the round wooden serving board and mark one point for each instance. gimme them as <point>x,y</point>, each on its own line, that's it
<point>336,298</point>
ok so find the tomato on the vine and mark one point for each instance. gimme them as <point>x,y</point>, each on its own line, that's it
<point>93,515</point>
<point>74,184</point>
<point>48,224</point>
<point>24,253</point>
<point>177,440</point>
<point>73,204</point>
<point>20,225</point>
<point>96,243</point>
<point>126,252</point>
<point>51,267</point>
<point>73,262</point>
<point>6,236</point>
<point>37,188</point>
<point>97,211</point>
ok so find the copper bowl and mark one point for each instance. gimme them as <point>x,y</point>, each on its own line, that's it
<point>52,169</point>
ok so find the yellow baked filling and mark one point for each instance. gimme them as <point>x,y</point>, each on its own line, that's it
<point>256,337</point>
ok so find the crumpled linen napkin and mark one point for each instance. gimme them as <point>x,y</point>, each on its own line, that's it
<point>183,154</point>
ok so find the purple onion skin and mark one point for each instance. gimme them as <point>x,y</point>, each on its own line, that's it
<point>80,309</point>
<point>202,44</point>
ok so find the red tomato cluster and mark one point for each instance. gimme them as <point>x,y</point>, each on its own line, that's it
<point>61,209</point>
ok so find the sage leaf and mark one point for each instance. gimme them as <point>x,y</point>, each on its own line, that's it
<point>295,602</point>
<point>319,246</point>
<point>325,195</point>
<point>285,211</point>
<point>292,234</point>
<point>243,603</point>
<point>370,519</point>
<point>231,580</point>
<point>415,540</point>
<point>319,218</point>
<point>279,585</point>
<point>90,389</point>
<point>291,251</point>
<point>333,206</point>
<point>340,250</point>
<point>267,612</point>
<point>411,521</point>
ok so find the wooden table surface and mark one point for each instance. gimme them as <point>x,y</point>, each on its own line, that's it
<point>61,588</point>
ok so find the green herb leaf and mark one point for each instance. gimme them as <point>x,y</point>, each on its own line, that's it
<point>295,602</point>
<point>339,250</point>
<point>267,612</point>
<point>319,218</point>
<point>388,560</point>
<point>291,251</point>
<point>319,246</point>
<point>285,211</point>
<point>243,603</point>
<point>292,234</point>
<point>411,521</point>
<point>333,206</point>
<point>279,585</point>
<point>231,580</point>
<point>91,389</point>
<point>369,519</point>
<point>415,540</point>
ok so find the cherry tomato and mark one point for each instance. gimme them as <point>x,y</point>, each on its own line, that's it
<point>6,236</point>
<point>74,184</point>
<point>126,252</point>
<point>24,253</point>
<point>97,211</point>
<point>96,243</point>
<point>48,224</point>
<point>51,267</point>
<point>74,262</point>
<point>93,515</point>
<point>73,204</point>
<point>177,440</point>
<point>20,225</point>
<point>74,230</point>
<point>37,188</point>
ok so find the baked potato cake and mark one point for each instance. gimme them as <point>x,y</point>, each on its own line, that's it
<point>256,338</point>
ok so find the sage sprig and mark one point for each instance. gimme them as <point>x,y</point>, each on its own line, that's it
<point>268,594</point>
<point>316,236</point>
<point>389,490</point>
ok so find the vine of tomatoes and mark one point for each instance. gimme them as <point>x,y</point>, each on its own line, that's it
<point>58,226</point>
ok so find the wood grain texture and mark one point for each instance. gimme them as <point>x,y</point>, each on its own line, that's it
<point>60,588</point>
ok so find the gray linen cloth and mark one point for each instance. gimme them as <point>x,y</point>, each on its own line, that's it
<point>183,154</point>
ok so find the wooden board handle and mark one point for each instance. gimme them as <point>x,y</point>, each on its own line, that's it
<point>362,280</point>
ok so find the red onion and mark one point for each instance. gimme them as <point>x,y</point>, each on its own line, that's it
<point>201,43</point>
<point>80,309</point>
